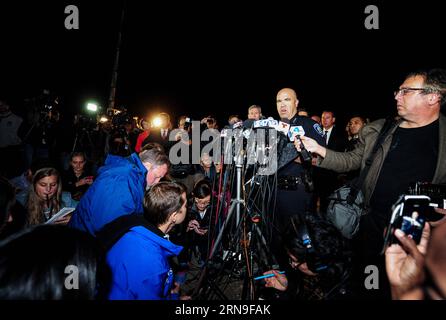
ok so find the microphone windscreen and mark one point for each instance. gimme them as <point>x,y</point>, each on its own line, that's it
<point>248,123</point>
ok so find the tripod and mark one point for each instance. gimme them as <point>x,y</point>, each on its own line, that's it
<point>245,241</point>
<point>79,140</point>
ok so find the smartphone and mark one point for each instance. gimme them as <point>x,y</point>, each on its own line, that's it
<point>408,214</point>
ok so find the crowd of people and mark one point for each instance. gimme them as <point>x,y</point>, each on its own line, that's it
<point>135,220</point>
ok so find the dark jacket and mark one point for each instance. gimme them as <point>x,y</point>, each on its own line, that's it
<point>155,136</point>
<point>337,141</point>
<point>69,181</point>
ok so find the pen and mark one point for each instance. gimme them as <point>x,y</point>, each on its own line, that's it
<point>269,275</point>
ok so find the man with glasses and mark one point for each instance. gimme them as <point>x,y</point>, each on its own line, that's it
<point>414,150</point>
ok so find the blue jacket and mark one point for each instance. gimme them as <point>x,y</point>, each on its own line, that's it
<point>118,190</point>
<point>140,267</point>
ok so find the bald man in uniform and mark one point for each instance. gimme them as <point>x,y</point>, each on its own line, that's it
<point>293,198</point>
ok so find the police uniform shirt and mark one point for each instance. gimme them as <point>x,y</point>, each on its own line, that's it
<point>312,130</point>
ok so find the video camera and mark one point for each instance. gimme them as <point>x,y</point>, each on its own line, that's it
<point>121,118</point>
<point>85,122</point>
<point>45,107</point>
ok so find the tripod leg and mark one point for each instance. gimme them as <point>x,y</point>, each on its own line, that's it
<point>75,142</point>
<point>217,242</point>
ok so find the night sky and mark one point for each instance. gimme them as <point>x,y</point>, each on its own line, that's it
<point>218,56</point>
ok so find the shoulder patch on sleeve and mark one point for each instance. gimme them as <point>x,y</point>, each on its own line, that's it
<point>318,129</point>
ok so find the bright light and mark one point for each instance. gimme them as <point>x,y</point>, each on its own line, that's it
<point>93,107</point>
<point>157,122</point>
<point>103,119</point>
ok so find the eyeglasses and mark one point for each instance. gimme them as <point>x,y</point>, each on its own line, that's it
<point>403,91</point>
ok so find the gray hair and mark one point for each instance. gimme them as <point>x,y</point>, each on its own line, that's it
<point>154,156</point>
<point>434,81</point>
<point>254,106</point>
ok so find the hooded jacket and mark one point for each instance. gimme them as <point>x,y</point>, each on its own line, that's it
<point>118,190</point>
<point>140,267</point>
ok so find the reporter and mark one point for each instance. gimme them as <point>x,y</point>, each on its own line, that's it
<point>45,197</point>
<point>199,219</point>
<point>139,260</point>
<point>78,178</point>
<point>412,151</point>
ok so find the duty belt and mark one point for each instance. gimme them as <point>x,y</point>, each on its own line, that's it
<point>289,182</point>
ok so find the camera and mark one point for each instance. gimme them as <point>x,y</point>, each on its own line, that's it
<point>120,119</point>
<point>85,122</point>
<point>210,120</point>
<point>437,192</point>
<point>44,108</point>
<point>409,214</point>
<point>187,124</point>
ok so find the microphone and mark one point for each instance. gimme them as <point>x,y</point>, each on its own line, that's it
<point>304,153</point>
<point>248,123</point>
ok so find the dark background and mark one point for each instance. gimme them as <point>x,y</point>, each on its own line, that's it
<point>218,57</point>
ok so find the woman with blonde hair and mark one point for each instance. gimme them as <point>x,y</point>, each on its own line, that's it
<point>45,197</point>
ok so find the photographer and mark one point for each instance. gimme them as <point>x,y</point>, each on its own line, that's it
<point>409,265</point>
<point>413,151</point>
<point>44,128</point>
<point>210,122</point>
<point>321,258</point>
<point>417,272</point>
<point>122,135</point>
<point>185,173</point>
<point>10,142</point>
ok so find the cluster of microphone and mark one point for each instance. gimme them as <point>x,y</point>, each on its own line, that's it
<point>283,126</point>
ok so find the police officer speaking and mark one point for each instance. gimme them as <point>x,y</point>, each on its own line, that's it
<point>294,195</point>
